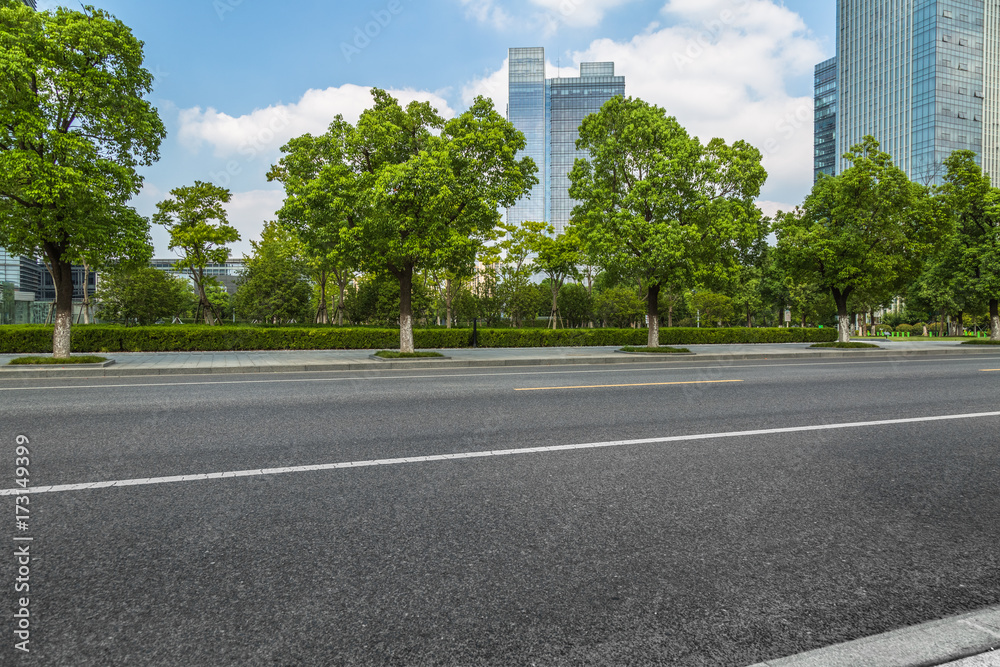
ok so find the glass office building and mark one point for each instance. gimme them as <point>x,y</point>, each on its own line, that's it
<point>549,113</point>
<point>31,3</point>
<point>825,119</point>
<point>24,274</point>
<point>567,102</point>
<point>921,76</point>
<point>526,111</point>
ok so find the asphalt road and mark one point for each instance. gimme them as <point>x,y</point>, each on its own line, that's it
<point>711,551</point>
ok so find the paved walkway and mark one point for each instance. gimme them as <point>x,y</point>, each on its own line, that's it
<point>291,361</point>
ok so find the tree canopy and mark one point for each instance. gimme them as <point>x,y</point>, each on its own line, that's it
<point>188,215</point>
<point>867,229</point>
<point>74,128</point>
<point>657,205</point>
<point>971,256</point>
<point>407,190</point>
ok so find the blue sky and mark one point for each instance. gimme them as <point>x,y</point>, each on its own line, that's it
<point>236,78</point>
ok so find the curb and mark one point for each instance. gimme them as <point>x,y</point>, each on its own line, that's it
<point>395,364</point>
<point>46,369</point>
<point>925,645</point>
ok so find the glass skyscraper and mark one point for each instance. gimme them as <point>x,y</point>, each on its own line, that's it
<point>31,3</point>
<point>922,77</point>
<point>825,126</point>
<point>526,110</point>
<point>549,113</point>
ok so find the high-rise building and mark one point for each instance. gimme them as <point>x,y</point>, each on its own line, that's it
<point>31,3</point>
<point>549,113</point>
<point>526,110</point>
<point>825,126</point>
<point>922,77</point>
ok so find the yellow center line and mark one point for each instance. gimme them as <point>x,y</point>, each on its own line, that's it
<point>641,384</point>
<point>989,370</point>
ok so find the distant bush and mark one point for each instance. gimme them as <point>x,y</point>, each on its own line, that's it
<point>908,328</point>
<point>25,339</point>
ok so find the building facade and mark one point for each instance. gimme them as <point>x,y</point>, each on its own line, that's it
<point>922,77</point>
<point>549,112</point>
<point>526,111</point>
<point>227,275</point>
<point>825,120</point>
<point>31,3</point>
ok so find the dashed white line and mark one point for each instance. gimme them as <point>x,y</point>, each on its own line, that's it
<point>260,472</point>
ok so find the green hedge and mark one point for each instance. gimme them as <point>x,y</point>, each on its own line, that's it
<point>28,339</point>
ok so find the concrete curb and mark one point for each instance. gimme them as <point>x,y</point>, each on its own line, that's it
<point>925,645</point>
<point>608,358</point>
<point>46,369</point>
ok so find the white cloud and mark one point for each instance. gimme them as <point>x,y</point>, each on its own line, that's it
<point>723,68</point>
<point>487,11</point>
<point>545,15</point>
<point>248,211</point>
<point>266,130</point>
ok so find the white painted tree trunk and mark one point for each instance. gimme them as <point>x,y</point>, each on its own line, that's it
<point>61,335</point>
<point>844,329</point>
<point>405,332</point>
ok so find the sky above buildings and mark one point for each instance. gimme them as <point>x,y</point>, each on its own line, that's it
<point>235,79</point>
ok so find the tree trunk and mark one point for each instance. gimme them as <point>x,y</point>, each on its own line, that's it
<point>205,304</point>
<point>670,315</point>
<point>960,324</point>
<point>406,309</point>
<point>749,318</point>
<point>843,318</point>
<point>653,313</point>
<point>62,279</point>
<point>342,286</point>
<point>555,302</point>
<point>994,319</point>
<point>86,293</point>
<point>322,316</point>
<point>447,303</point>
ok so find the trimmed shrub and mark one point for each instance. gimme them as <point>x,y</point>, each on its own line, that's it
<point>27,339</point>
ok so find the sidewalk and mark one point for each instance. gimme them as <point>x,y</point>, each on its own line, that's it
<point>968,640</point>
<point>297,361</point>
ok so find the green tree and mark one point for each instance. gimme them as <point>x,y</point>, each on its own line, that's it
<point>274,286</point>
<point>971,257</point>
<point>74,128</point>
<point>618,307</point>
<point>428,188</point>
<point>140,295</point>
<point>558,257</point>
<point>713,307</point>
<point>188,216</point>
<point>866,228</point>
<point>322,198</point>
<point>657,205</point>
<point>575,304</point>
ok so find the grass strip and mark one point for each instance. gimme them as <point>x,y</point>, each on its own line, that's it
<point>848,346</point>
<point>981,341</point>
<point>54,361</point>
<point>392,354</point>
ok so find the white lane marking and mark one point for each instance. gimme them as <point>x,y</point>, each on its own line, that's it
<point>604,368</point>
<point>258,472</point>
